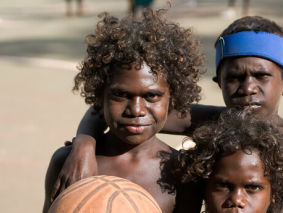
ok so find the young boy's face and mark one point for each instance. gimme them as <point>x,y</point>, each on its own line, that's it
<point>252,82</point>
<point>238,185</point>
<point>136,104</point>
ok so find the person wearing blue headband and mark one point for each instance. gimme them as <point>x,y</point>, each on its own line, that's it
<point>249,60</point>
<point>252,81</point>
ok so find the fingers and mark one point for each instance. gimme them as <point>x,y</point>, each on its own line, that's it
<point>64,185</point>
<point>55,189</point>
<point>60,185</point>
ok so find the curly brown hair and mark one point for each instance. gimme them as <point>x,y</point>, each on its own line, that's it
<point>249,23</point>
<point>234,131</point>
<point>166,48</point>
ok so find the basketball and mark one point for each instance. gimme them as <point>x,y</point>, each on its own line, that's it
<point>104,194</point>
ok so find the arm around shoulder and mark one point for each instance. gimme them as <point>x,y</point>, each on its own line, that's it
<point>198,115</point>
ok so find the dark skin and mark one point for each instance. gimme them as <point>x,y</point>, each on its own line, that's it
<point>227,191</point>
<point>135,108</point>
<point>253,83</point>
<point>243,67</point>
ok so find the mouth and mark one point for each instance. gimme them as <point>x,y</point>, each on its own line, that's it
<point>135,128</point>
<point>248,104</point>
<point>233,210</point>
<point>251,106</point>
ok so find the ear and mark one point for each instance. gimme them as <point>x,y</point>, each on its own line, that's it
<point>217,80</point>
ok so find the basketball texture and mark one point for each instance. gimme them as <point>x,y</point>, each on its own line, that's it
<point>104,194</point>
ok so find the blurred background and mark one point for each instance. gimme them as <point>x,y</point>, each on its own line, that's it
<point>41,44</point>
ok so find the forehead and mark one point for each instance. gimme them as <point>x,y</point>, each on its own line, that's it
<point>249,63</point>
<point>249,165</point>
<point>137,77</point>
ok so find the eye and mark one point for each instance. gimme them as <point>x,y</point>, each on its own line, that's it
<point>222,186</point>
<point>254,188</point>
<point>233,78</point>
<point>119,94</point>
<point>262,75</point>
<point>153,96</point>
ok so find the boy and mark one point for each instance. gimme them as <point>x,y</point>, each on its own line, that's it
<point>128,75</point>
<point>251,80</point>
<point>240,161</point>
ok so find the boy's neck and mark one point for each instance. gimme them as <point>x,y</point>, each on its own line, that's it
<point>278,122</point>
<point>112,146</point>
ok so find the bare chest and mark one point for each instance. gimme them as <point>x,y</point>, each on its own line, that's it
<point>144,172</point>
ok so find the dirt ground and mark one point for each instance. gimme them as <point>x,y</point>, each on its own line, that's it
<point>39,50</point>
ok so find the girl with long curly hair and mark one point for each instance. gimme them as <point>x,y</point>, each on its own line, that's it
<point>239,159</point>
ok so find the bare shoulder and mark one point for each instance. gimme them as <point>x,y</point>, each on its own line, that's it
<point>162,146</point>
<point>55,165</point>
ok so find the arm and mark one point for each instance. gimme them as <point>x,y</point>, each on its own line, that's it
<point>53,170</point>
<point>81,163</point>
<point>92,125</point>
<point>198,115</point>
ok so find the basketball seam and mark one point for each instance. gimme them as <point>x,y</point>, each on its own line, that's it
<point>63,194</point>
<point>137,191</point>
<point>131,202</point>
<point>110,201</point>
<point>87,197</point>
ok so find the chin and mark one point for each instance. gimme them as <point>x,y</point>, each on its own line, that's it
<point>136,139</point>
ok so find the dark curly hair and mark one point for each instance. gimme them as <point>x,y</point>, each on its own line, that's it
<point>166,48</point>
<point>234,131</point>
<point>249,23</point>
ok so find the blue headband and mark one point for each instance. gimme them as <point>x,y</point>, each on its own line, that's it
<point>250,43</point>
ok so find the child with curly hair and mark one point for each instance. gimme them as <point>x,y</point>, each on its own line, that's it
<point>240,161</point>
<point>136,71</point>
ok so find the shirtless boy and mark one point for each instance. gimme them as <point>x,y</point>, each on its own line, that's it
<point>130,75</point>
<point>240,161</point>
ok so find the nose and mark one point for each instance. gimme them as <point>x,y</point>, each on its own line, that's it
<point>136,107</point>
<point>248,86</point>
<point>236,199</point>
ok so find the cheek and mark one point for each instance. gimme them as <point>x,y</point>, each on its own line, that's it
<point>227,92</point>
<point>260,203</point>
<point>214,201</point>
<point>265,198</point>
<point>160,110</point>
<point>230,87</point>
<point>112,111</point>
<point>273,93</point>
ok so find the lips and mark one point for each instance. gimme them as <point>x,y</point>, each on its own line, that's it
<point>135,128</point>
<point>233,210</point>
<point>251,106</point>
<point>247,104</point>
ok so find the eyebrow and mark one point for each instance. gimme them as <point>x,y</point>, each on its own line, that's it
<point>252,180</point>
<point>154,90</point>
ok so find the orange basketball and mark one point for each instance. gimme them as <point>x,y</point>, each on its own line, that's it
<point>104,194</point>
